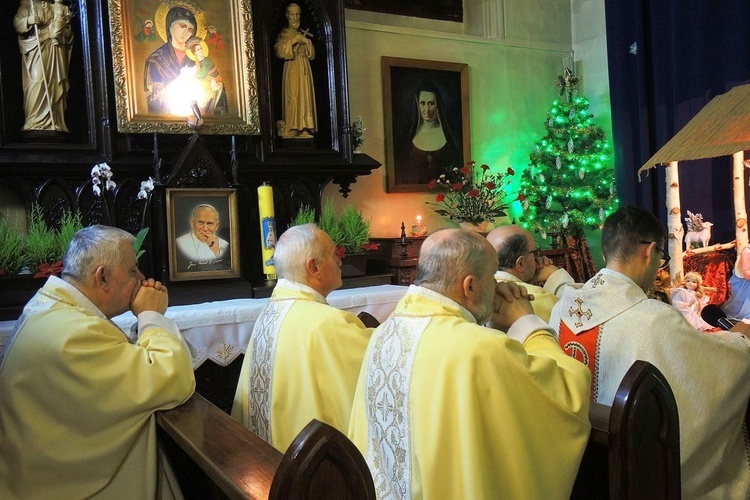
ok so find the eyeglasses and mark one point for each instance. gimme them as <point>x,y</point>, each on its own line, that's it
<point>664,261</point>
<point>536,252</point>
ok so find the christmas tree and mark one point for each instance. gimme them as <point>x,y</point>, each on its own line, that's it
<point>569,184</point>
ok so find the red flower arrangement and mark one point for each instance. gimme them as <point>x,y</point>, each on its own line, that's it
<point>469,196</point>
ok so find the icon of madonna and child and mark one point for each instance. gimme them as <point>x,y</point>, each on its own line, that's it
<point>180,73</point>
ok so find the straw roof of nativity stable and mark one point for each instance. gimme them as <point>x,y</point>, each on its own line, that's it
<point>721,128</point>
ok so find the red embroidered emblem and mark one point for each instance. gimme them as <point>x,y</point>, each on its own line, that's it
<point>581,347</point>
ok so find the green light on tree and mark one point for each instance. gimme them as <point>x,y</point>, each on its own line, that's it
<point>581,195</point>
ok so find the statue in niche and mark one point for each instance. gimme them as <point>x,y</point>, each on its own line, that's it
<point>45,40</point>
<point>298,91</point>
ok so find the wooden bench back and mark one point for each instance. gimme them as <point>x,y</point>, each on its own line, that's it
<point>214,456</point>
<point>322,463</point>
<point>634,448</point>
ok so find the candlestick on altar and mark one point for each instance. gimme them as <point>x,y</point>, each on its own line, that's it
<point>403,242</point>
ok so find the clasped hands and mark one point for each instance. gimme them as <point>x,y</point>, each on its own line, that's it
<point>511,302</point>
<point>151,296</point>
<point>545,268</point>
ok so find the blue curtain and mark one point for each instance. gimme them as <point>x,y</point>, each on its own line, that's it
<point>668,59</point>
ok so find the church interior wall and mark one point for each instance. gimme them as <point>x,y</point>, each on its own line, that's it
<point>511,80</point>
<point>514,50</point>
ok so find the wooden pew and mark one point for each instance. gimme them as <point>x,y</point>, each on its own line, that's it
<point>634,448</point>
<point>214,456</point>
<point>368,319</point>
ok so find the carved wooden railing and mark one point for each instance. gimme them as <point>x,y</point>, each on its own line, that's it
<point>214,456</point>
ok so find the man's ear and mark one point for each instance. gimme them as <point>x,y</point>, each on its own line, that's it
<point>650,249</point>
<point>101,277</point>
<point>311,266</point>
<point>470,287</point>
<point>519,267</point>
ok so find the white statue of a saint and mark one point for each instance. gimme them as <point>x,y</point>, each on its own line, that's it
<point>298,99</point>
<point>45,40</point>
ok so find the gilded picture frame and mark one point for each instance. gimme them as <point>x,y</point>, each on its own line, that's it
<point>160,82</point>
<point>414,154</point>
<point>199,221</point>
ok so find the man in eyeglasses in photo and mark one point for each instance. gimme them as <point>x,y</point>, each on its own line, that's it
<point>610,322</point>
<point>520,262</point>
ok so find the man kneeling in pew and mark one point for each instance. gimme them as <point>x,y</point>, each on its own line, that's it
<point>610,323</point>
<point>304,356</point>
<point>77,399</point>
<point>447,408</point>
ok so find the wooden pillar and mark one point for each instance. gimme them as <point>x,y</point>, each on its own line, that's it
<point>738,188</point>
<point>675,232</point>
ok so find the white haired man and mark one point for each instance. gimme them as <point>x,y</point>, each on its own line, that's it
<point>447,408</point>
<point>77,400</point>
<point>304,356</point>
<point>519,262</point>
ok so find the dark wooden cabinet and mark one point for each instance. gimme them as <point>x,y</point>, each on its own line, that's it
<point>397,257</point>
<point>56,175</point>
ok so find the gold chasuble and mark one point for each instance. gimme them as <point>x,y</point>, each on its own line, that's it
<point>302,363</point>
<point>77,400</point>
<point>545,297</point>
<point>610,323</point>
<point>448,409</point>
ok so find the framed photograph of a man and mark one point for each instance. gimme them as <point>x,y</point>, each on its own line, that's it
<point>182,64</point>
<point>203,234</point>
<point>426,111</point>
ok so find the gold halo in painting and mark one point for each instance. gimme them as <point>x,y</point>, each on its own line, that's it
<point>204,46</point>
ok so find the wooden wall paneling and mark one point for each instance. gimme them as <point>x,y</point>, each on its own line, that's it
<point>57,174</point>
<point>84,143</point>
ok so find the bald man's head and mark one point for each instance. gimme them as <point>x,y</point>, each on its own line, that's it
<point>461,266</point>
<point>514,246</point>
<point>449,255</point>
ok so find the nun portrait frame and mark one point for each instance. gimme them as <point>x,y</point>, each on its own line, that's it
<point>155,90</point>
<point>181,204</point>
<point>408,167</point>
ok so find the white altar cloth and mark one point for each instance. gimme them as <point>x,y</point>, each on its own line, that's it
<point>220,331</point>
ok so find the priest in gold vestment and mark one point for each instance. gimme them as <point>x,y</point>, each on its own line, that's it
<point>446,408</point>
<point>520,263</point>
<point>304,356</point>
<point>77,399</point>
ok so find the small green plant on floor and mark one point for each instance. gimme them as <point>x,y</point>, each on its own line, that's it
<point>330,223</point>
<point>350,231</point>
<point>305,215</point>
<point>355,230</point>
<point>13,256</point>
<point>42,248</point>
<point>42,244</point>
<point>70,223</point>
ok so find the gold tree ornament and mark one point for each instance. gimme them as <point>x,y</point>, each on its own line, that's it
<point>567,83</point>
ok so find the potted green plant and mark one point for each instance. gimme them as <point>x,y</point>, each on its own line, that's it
<point>46,246</point>
<point>13,256</point>
<point>350,233</point>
